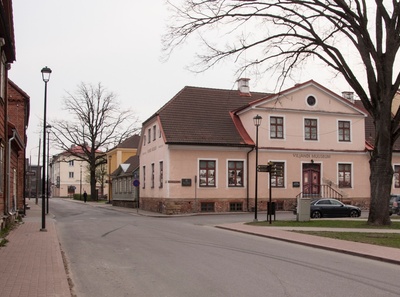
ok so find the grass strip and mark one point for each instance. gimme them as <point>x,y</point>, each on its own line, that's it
<point>381,239</point>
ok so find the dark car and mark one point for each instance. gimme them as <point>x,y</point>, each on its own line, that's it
<point>332,208</point>
<point>394,204</point>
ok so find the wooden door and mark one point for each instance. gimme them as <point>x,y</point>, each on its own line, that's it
<point>311,179</point>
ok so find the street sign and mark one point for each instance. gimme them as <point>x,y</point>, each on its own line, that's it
<point>30,173</point>
<point>136,183</point>
<point>263,168</point>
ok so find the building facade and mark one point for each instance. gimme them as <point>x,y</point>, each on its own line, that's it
<point>119,155</point>
<point>200,151</point>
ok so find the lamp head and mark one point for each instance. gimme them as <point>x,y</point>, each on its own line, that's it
<point>46,71</point>
<point>257,120</point>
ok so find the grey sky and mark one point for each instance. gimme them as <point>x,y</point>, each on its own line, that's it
<point>117,43</point>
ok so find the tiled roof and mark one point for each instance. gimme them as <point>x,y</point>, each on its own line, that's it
<point>130,142</point>
<point>370,129</point>
<point>202,116</point>
<point>133,164</point>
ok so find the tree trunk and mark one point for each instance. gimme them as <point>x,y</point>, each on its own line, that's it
<point>381,174</point>
<point>93,191</point>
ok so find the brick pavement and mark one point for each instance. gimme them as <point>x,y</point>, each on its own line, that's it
<point>31,263</point>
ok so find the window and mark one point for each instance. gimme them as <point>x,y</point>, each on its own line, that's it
<point>310,129</point>
<point>396,176</point>
<point>207,173</point>
<point>161,174</point>
<point>71,163</point>
<point>144,140</point>
<point>311,101</point>
<point>236,206</point>
<point>344,175</point>
<point>344,130</point>
<point>144,177</point>
<point>154,132</point>
<point>152,175</point>
<point>276,127</point>
<point>70,174</point>
<point>207,206</point>
<point>149,135</point>
<point>235,173</point>
<point>278,175</point>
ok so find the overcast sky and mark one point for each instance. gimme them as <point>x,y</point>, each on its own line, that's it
<point>117,43</point>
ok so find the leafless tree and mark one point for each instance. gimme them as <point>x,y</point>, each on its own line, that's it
<point>358,39</point>
<point>93,122</point>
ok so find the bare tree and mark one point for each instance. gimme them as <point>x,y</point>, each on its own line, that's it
<point>357,39</point>
<point>94,122</point>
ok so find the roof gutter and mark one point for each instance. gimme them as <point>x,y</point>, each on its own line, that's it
<point>248,179</point>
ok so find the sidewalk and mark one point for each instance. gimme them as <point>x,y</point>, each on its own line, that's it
<point>31,263</point>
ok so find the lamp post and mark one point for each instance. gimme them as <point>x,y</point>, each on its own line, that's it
<point>257,122</point>
<point>48,166</point>
<point>80,184</point>
<point>46,77</point>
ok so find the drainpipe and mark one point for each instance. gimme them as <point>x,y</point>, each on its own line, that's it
<point>8,175</point>
<point>248,178</point>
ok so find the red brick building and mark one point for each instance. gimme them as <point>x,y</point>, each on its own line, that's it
<point>18,112</point>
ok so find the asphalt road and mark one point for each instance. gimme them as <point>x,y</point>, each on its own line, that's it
<point>111,253</point>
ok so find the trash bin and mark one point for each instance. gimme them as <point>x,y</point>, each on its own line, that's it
<point>271,207</point>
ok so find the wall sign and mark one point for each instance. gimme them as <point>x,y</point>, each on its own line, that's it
<point>186,182</point>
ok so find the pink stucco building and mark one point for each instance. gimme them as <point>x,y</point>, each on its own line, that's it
<point>198,152</point>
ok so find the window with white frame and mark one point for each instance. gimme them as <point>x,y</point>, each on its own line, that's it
<point>310,129</point>
<point>152,175</point>
<point>161,174</point>
<point>396,176</point>
<point>344,175</point>
<point>207,173</point>
<point>71,163</point>
<point>71,174</point>
<point>235,173</point>
<point>344,130</point>
<point>276,127</point>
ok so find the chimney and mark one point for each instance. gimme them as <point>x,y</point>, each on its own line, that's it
<point>243,86</point>
<point>349,96</point>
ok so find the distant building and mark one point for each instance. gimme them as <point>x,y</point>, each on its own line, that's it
<point>125,191</point>
<point>118,155</point>
<point>70,175</point>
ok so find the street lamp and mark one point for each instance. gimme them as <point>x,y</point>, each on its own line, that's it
<point>48,166</point>
<point>257,122</point>
<point>46,77</point>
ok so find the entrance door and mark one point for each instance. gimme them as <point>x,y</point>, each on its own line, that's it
<point>311,179</point>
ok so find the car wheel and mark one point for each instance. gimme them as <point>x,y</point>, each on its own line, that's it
<point>316,214</point>
<point>354,214</point>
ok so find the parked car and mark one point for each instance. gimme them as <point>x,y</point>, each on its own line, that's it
<point>332,208</point>
<point>394,204</point>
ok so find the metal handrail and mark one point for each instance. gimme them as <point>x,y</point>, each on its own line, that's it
<point>324,191</point>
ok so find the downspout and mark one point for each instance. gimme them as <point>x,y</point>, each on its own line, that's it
<point>248,178</point>
<point>8,175</point>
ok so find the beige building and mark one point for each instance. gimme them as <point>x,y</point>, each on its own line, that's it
<point>70,175</point>
<point>198,153</point>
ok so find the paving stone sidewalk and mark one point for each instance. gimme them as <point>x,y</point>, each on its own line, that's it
<point>31,263</point>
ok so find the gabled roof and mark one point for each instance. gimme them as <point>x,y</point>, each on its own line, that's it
<point>131,142</point>
<point>128,167</point>
<point>370,130</point>
<point>201,116</point>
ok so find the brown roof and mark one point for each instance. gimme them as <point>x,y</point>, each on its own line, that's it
<point>133,165</point>
<point>130,142</point>
<point>202,116</point>
<point>370,129</point>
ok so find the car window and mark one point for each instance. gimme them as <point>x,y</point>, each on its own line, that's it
<point>323,202</point>
<point>334,202</point>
